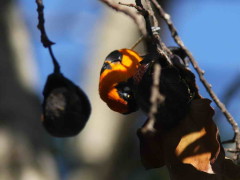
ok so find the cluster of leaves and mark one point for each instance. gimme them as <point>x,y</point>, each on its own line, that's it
<point>190,150</point>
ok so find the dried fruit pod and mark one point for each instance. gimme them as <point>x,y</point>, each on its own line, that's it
<point>177,85</point>
<point>66,107</point>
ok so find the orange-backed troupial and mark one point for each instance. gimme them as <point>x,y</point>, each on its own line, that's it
<point>114,87</point>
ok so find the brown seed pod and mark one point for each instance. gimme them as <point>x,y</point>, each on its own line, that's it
<point>66,107</point>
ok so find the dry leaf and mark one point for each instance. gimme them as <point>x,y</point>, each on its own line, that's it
<point>190,150</point>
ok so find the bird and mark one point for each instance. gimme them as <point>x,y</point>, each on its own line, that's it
<point>114,85</point>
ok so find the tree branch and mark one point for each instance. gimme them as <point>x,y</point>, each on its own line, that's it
<point>133,16</point>
<point>166,17</point>
<point>158,45</point>
<point>156,98</point>
<point>44,38</point>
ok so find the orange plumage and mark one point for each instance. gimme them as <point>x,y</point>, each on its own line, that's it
<point>118,67</point>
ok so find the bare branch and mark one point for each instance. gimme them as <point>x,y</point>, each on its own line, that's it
<point>156,98</point>
<point>162,48</point>
<point>151,13</point>
<point>166,17</point>
<point>133,16</point>
<point>44,38</point>
<point>138,8</point>
<point>159,46</point>
<point>232,150</point>
<point>137,42</point>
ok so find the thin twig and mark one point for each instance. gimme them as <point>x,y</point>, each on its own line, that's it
<point>232,150</point>
<point>137,42</point>
<point>158,45</point>
<point>138,8</point>
<point>44,38</point>
<point>166,17</point>
<point>151,13</point>
<point>133,16</point>
<point>156,98</point>
<point>162,48</point>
